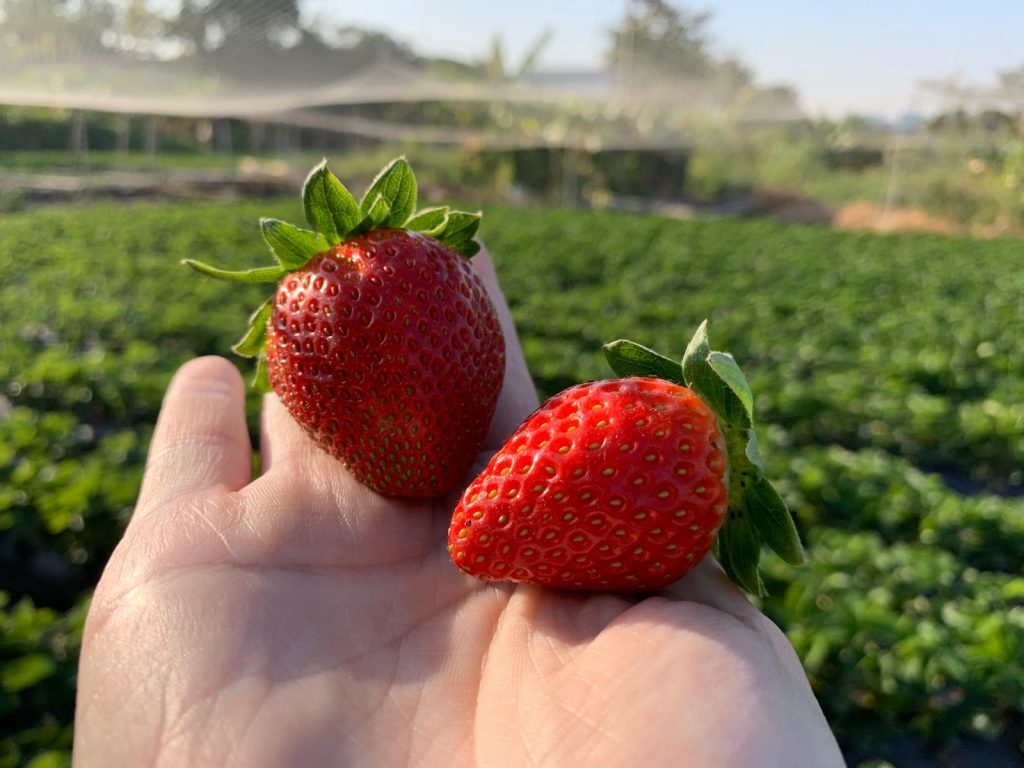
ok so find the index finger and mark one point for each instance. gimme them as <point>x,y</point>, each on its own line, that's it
<point>201,439</point>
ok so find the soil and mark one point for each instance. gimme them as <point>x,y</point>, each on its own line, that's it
<point>863,215</point>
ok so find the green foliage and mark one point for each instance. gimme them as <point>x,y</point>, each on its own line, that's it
<point>876,360</point>
<point>871,490</point>
<point>913,344</point>
<point>98,313</point>
<point>38,657</point>
<point>911,638</point>
<point>855,158</point>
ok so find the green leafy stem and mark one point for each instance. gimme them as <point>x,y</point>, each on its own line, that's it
<point>334,215</point>
<point>757,514</point>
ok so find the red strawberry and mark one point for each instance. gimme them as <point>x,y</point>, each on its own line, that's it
<point>618,484</point>
<point>378,331</point>
<point>622,484</point>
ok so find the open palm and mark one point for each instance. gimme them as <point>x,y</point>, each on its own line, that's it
<point>302,620</point>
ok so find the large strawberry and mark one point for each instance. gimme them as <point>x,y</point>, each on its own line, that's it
<point>380,339</point>
<point>623,484</point>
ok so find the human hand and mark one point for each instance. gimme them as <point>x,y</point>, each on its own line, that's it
<point>299,619</point>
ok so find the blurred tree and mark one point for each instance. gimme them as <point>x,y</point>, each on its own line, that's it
<point>496,67</point>
<point>997,121</point>
<point>734,74</point>
<point>210,25</point>
<point>141,30</point>
<point>48,30</point>
<point>270,42</point>
<point>1013,80</point>
<point>658,38</point>
<point>368,44</point>
<point>955,121</point>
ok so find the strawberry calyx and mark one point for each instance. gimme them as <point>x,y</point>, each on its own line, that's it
<point>335,216</point>
<point>757,514</point>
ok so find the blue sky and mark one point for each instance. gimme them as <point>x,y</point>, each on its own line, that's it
<point>864,56</point>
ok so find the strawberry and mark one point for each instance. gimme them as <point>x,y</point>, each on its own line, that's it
<point>380,339</point>
<point>622,485</point>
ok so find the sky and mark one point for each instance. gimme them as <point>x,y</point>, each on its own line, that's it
<point>864,57</point>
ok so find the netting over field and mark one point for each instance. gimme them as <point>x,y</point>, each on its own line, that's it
<point>267,60</point>
<point>660,114</point>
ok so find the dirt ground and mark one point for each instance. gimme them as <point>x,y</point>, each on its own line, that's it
<point>861,215</point>
<point>869,216</point>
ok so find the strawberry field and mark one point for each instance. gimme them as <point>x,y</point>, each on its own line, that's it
<point>891,371</point>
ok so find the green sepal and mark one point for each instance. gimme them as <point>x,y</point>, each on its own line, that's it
<point>459,233</point>
<point>703,379</point>
<point>330,208</point>
<point>391,198</point>
<point>757,513</point>
<point>627,358</point>
<point>378,211</point>
<point>772,521</point>
<point>255,340</point>
<point>754,499</point>
<point>293,247</point>
<point>261,380</point>
<point>469,249</point>
<point>752,451</point>
<point>258,275</point>
<point>739,552</point>
<point>725,366</point>
<point>429,221</point>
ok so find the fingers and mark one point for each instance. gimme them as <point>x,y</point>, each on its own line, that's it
<point>285,447</point>
<point>518,397</point>
<point>708,584</point>
<point>201,440</point>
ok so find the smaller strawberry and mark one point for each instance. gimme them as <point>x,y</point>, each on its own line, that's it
<point>622,485</point>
